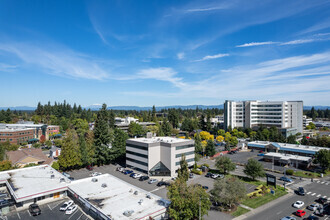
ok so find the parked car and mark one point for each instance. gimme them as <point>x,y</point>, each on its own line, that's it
<point>132,174</point>
<point>286,179</point>
<point>205,187</point>
<point>6,202</point>
<point>143,178</point>
<point>34,209</point>
<point>288,218</point>
<point>128,172</point>
<point>66,205</point>
<point>215,176</point>
<point>151,181</point>
<point>261,151</point>
<point>71,178</point>
<point>66,174</point>
<point>120,169</point>
<point>300,213</point>
<point>137,175</point>
<point>321,200</point>
<point>319,211</point>
<point>208,175</point>
<point>163,183</point>
<point>261,154</point>
<point>96,174</point>
<point>298,204</point>
<point>313,207</point>
<point>301,191</point>
<point>89,167</point>
<point>71,209</point>
<point>191,175</point>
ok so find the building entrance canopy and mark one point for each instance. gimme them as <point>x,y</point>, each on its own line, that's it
<point>160,170</point>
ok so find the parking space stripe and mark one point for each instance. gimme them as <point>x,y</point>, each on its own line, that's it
<point>318,181</point>
<point>73,214</point>
<point>322,182</point>
<point>313,194</point>
<point>80,216</point>
<point>318,195</point>
<point>308,193</point>
<point>18,215</point>
<point>324,196</point>
<point>49,207</point>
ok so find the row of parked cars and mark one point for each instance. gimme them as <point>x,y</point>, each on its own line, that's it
<point>141,177</point>
<point>214,175</point>
<point>320,208</point>
<point>68,207</point>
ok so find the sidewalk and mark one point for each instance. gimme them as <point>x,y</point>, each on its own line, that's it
<point>266,206</point>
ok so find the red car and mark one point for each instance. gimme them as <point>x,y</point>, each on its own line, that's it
<point>89,167</point>
<point>261,151</point>
<point>300,213</point>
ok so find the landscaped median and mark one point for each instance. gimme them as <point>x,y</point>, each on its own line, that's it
<point>240,211</point>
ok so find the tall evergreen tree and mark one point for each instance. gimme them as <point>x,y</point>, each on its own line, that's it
<point>183,171</point>
<point>70,154</point>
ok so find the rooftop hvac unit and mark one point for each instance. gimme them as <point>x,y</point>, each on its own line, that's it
<point>148,196</point>
<point>52,176</point>
<point>130,190</point>
<point>128,213</point>
<point>62,180</point>
<point>136,193</point>
<point>94,180</point>
<point>141,201</point>
<point>104,185</point>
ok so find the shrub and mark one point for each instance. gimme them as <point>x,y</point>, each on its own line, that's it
<point>289,172</point>
<point>198,172</point>
<point>205,164</point>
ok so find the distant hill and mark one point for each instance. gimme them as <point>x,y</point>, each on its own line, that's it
<point>139,108</point>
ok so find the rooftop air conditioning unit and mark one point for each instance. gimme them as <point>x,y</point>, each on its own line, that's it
<point>52,176</point>
<point>136,193</point>
<point>62,180</point>
<point>128,213</point>
<point>94,180</point>
<point>141,201</point>
<point>104,185</point>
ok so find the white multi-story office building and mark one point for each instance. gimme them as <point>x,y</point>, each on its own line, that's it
<point>159,156</point>
<point>248,114</point>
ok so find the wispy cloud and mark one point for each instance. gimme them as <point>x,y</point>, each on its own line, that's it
<point>211,57</point>
<point>252,44</point>
<point>7,67</point>
<point>180,56</point>
<point>162,73</point>
<point>206,9</point>
<point>301,41</point>
<point>317,27</point>
<point>57,61</point>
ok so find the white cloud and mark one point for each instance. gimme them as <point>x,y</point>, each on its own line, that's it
<point>57,61</point>
<point>256,44</point>
<point>205,9</point>
<point>162,74</point>
<point>301,41</point>
<point>210,57</point>
<point>180,56</point>
<point>7,67</point>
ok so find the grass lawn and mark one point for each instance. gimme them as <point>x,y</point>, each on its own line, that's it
<point>240,211</point>
<point>306,174</point>
<point>259,201</point>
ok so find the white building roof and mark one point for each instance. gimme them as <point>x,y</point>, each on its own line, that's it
<point>117,197</point>
<point>289,147</point>
<point>33,182</point>
<point>14,129</point>
<point>288,156</point>
<point>160,140</point>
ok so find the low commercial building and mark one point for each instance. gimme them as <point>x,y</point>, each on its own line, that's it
<point>302,150</point>
<point>107,197</point>
<point>40,184</point>
<point>159,156</point>
<point>16,136</point>
<point>27,156</point>
<point>288,159</point>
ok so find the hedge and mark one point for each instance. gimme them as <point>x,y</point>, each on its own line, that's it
<point>289,172</point>
<point>198,172</point>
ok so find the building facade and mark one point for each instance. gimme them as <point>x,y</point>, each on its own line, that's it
<point>249,114</point>
<point>159,156</point>
<point>16,136</point>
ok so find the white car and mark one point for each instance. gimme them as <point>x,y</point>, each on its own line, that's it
<point>120,169</point>
<point>298,204</point>
<point>137,175</point>
<point>313,207</point>
<point>151,181</point>
<point>96,174</point>
<point>66,205</point>
<point>71,209</point>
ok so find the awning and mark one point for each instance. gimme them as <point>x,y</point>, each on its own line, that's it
<point>33,140</point>
<point>57,135</point>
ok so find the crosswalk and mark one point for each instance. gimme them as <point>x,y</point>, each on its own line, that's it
<point>317,195</point>
<point>323,182</point>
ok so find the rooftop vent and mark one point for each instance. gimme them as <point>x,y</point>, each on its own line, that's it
<point>141,201</point>
<point>62,180</point>
<point>94,180</point>
<point>130,190</point>
<point>148,196</point>
<point>128,213</point>
<point>136,193</point>
<point>104,185</point>
<point>52,176</point>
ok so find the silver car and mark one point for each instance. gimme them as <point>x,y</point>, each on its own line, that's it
<point>313,207</point>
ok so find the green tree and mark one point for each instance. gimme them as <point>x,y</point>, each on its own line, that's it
<point>183,171</point>
<point>102,137</point>
<point>118,149</point>
<point>166,128</point>
<point>48,143</point>
<point>70,154</point>
<point>291,139</point>
<point>253,135</point>
<point>55,165</point>
<point>134,129</point>
<point>210,148</point>
<point>221,132</point>
<point>5,165</point>
<point>198,143</point>
<point>254,169</point>
<point>173,117</point>
<point>322,157</point>
<point>80,125</point>
<point>83,150</point>
<point>228,191</point>
<point>187,201</point>
<point>224,164</point>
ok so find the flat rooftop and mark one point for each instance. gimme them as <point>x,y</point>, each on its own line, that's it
<point>33,182</point>
<point>285,146</point>
<point>288,156</point>
<point>23,125</point>
<point>14,129</point>
<point>117,197</point>
<point>160,140</point>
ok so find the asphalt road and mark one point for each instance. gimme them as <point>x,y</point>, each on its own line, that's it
<point>313,191</point>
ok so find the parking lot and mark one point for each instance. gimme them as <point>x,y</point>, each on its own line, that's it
<point>50,211</point>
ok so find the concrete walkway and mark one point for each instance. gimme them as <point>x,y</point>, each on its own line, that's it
<point>263,207</point>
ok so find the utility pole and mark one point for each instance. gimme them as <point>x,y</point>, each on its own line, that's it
<point>273,164</point>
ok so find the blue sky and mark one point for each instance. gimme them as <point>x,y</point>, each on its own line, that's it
<point>164,52</point>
